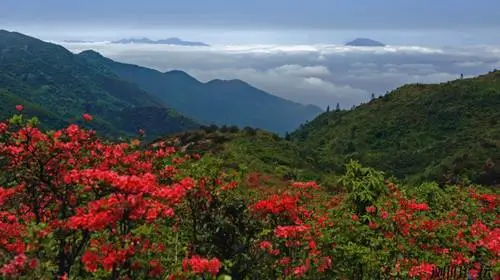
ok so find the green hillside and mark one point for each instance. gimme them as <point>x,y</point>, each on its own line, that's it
<point>61,86</point>
<point>444,132</point>
<point>248,150</point>
<point>221,102</point>
<point>441,132</point>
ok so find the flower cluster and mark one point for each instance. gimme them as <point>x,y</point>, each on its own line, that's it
<point>76,206</point>
<point>199,265</point>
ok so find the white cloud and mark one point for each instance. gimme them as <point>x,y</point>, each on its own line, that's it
<point>318,74</point>
<point>301,71</point>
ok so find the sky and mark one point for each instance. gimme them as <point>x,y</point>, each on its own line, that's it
<point>290,48</point>
<point>239,21</point>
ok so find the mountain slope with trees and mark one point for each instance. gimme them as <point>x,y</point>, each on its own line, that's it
<point>443,132</point>
<point>222,102</point>
<point>63,86</point>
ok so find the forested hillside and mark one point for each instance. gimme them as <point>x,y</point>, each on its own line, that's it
<point>444,132</point>
<point>221,102</point>
<point>59,86</point>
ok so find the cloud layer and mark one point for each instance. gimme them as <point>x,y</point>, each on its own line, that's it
<point>311,74</point>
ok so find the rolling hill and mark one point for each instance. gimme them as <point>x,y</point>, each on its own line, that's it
<point>445,132</point>
<point>222,102</point>
<point>59,86</point>
<point>442,132</point>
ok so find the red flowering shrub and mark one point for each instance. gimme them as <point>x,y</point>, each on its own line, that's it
<point>87,117</point>
<point>199,265</point>
<point>79,205</point>
<point>406,237</point>
<point>73,206</point>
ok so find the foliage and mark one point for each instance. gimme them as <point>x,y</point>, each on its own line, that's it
<point>249,149</point>
<point>443,132</point>
<point>58,86</point>
<point>73,206</point>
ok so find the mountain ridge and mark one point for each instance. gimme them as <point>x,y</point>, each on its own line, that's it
<point>67,85</point>
<point>169,41</point>
<point>447,133</point>
<point>232,102</point>
<point>417,132</point>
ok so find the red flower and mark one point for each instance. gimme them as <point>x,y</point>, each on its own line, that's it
<point>412,205</point>
<point>325,264</point>
<point>384,215</point>
<point>285,261</point>
<point>33,263</point>
<point>87,117</point>
<point>371,209</point>
<point>266,245</point>
<point>300,270</point>
<point>290,231</point>
<point>200,265</point>
<point>423,270</point>
<point>90,260</point>
<point>19,108</point>
<point>3,127</point>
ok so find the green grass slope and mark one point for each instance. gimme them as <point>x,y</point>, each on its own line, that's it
<point>248,150</point>
<point>417,132</point>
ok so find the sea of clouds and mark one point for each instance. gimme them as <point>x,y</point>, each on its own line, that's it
<point>311,74</point>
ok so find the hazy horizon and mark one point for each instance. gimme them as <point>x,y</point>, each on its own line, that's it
<point>413,22</point>
<point>289,48</point>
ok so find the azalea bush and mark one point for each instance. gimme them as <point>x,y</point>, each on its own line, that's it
<point>410,232</point>
<point>74,206</point>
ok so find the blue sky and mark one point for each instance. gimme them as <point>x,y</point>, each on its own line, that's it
<point>266,21</point>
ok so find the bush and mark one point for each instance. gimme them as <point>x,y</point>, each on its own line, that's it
<point>73,206</point>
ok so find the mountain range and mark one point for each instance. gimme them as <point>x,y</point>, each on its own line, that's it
<point>55,84</point>
<point>62,85</point>
<point>223,102</point>
<point>445,132</point>
<point>169,41</point>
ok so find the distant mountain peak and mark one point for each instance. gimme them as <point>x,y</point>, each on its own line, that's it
<point>365,42</point>
<point>76,41</point>
<point>169,41</point>
<point>91,53</point>
<point>176,72</point>
<point>232,82</point>
<point>223,102</point>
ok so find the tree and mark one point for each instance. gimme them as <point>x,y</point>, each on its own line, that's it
<point>373,96</point>
<point>328,108</point>
<point>287,136</point>
<point>337,108</point>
